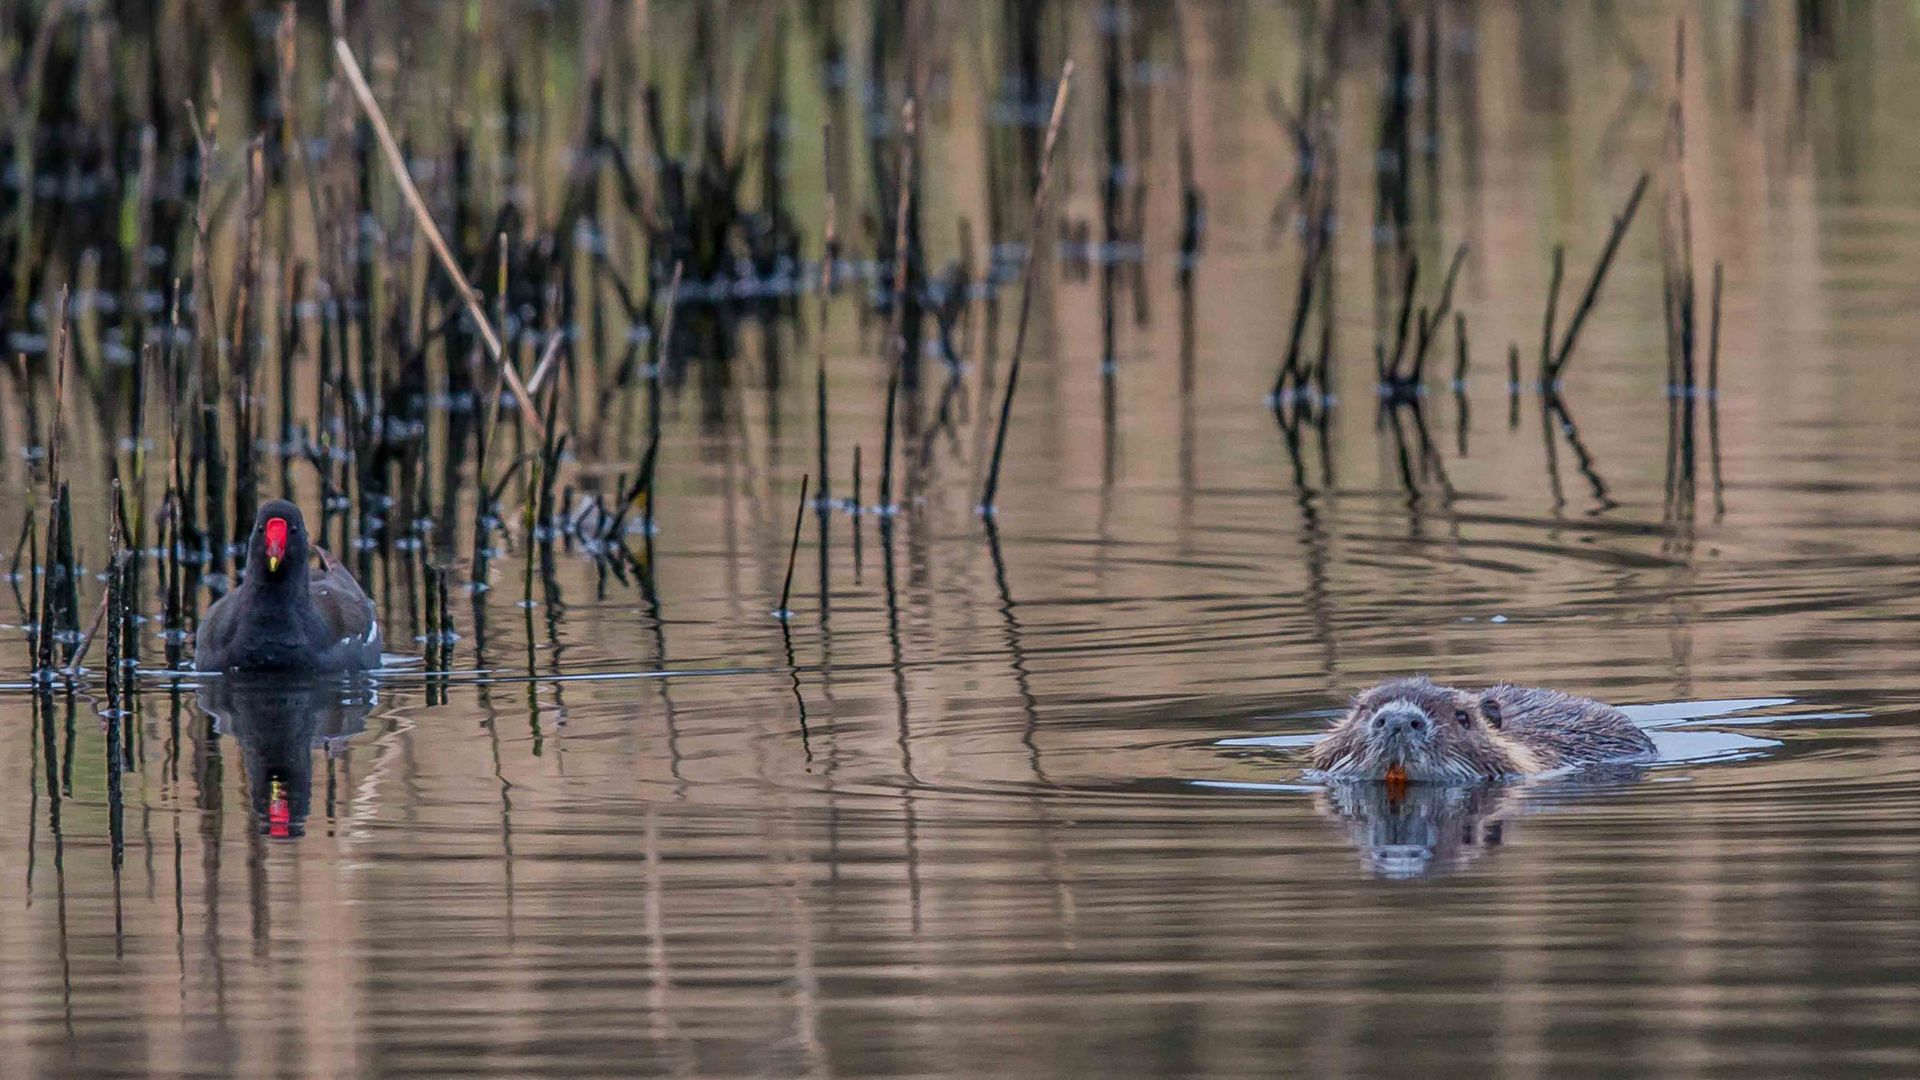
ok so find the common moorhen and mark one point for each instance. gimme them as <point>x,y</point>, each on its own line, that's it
<point>284,618</point>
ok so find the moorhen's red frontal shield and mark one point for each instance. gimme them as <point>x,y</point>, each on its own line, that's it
<point>276,537</point>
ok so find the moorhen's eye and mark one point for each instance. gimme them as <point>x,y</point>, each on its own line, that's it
<point>1462,717</point>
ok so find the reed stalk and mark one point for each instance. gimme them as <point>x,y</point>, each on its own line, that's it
<point>1041,191</point>
<point>397,162</point>
<point>783,612</point>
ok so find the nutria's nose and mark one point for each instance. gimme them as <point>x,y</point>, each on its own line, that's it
<point>1399,720</point>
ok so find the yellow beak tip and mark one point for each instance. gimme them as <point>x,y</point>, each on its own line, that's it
<point>273,563</point>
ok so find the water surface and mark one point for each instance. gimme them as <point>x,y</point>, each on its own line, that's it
<point>1029,799</point>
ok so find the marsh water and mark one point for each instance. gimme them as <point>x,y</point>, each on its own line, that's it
<point>1029,796</point>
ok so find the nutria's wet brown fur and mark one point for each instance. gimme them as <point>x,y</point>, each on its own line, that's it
<point>1417,730</point>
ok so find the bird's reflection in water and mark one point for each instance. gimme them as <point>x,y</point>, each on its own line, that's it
<point>1424,830</point>
<point>278,726</point>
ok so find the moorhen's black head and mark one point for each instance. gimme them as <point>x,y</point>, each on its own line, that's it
<point>278,550</point>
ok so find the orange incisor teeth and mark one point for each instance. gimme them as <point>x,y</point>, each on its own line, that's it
<point>1396,774</point>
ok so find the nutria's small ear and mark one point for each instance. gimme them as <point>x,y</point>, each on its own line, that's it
<point>1490,707</point>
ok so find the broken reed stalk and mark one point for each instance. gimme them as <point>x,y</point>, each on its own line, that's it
<point>1192,199</point>
<point>1302,309</point>
<point>548,357</point>
<point>137,401</point>
<point>398,164</point>
<point>20,552</point>
<point>1322,368</point>
<point>125,568</point>
<point>642,487</point>
<point>1592,293</point>
<point>1554,282</point>
<point>444,621</point>
<point>1460,350</point>
<point>1513,385</point>
<point>93,629</point>
<point>1460,379</point>
<point>57,603</point>
<point>1400,371</point>
<point>661,354</point>
<point>1713,402</point>
<point>896,325</point>
<point>35,628</point>
<point>1431,324</point>
<point>1040,192</point>
<point>241,322</point>
<point>548,466</point>
<point>783,613</point>
<point>1390,365</point>
<point>1447,285</point>
<point>483,515</point>
<point>201,401</point>
<point>1713,339</point>
<point>1676,232</point>
<point>69,595</point>
<point>429,609</point>
<point>885,506</point>
<point>60,350</point>
<point>1425,326</point>
<point>109,611</point>
<point>829,254</point>
<point>173,627</point>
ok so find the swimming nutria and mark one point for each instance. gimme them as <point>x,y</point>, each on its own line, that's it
<point>1417,730</point>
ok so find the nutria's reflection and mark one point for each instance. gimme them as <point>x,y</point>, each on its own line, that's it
<point>1412,830</point>
<point>278,726</point>
<point>1420,830</point>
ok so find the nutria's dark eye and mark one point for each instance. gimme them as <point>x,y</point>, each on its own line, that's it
<point>1462,717</point>
<point>1492,710</point>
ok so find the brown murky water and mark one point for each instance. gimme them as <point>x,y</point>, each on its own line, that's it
<point>1030,800</point>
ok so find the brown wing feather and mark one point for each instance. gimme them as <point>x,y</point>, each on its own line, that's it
<point>340,599</point>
